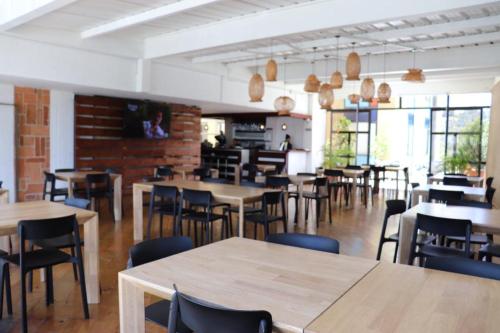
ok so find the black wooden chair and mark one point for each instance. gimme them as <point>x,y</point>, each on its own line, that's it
<point>396,207</point>
<point>444,227</point>
<point>305,241</point>
<point>337,184</point>
<point>456,181</point>
<point>249,172</point>
<point>49,187</point>
<point>320,192</point>
<point>165,172</point>
<point>164,200</point>
<point>490,192</point>
<point>489,182</point>
<point>283,184</point>
<point>155,249</point>
<point>366,188</point>
<point>36,230</point>
<point>470,203</point>
<point>465,266</point>
<point>270,203</point>
<point>5,284</point>
<point>65,170</point>
<point>443,196</point>
<point>198,206</point>
<point>202,173</point>
<point>201,316</point>
<point>98,186</point>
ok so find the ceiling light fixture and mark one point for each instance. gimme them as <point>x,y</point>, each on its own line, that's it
<point>337,81</point>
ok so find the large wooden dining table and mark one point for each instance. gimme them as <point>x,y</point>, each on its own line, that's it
<point>223,193</point>
<point>470,193</point>
<point>11,214</point>
<point>483,220</point>
<point>295,285</point>
<point>79,177</point>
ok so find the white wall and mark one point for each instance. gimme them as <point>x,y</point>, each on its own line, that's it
<point>296,128</point>
<point>7,140</point>
<point>493,158</point>
<point>62,129</point>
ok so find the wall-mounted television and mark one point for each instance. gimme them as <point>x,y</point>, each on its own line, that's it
<point>146,119</point>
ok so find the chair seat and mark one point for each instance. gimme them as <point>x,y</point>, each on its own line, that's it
<point>474,239</point>
<point>421,238</point>
<point>490,249</point>
<point>439,251</point>
<point>166,208</point>
<point>201,216</point>
<point>64,241</point>
<point>247,210</point>
<point>40,258</point>
<point>60,191</point>
<point>158,313</point>
<point>259,218</point>
<point>314,195</point>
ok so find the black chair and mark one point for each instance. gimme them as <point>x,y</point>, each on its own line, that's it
<point>366,187</point>
<point>152,179</point>
<point>456,181</point>
<point>337,183</point>
<point>65,170</point>
<point>444,227</point>
<point>320,192</point>
<point>465,266</point>
<point>5,282</point>
<point>480,239</point>
<point>305,241</point>
<point>251,171</point>
<point>155,249</point>
<point>307,174</point>
<point>283,183</point>
<point>197,206</point>
<point>270,203</point>
<point>489,182</point>
<point>444,196</point>
<point>164,200</point>
<point>31,230</point>
<point>396,207</point>
<point>353,167</point>
<point>488,251</point>
<point>98,186</point>
<point>490,192</point>
<point>470,203</point>
<point>202,173</point>
<point>1,182</point>
<point>49,187</point>
<point>165,172</point>
<point>455,174</point>
<point>204,317</point>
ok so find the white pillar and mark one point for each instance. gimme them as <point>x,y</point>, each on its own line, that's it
<point>62,129</point>
<point>493,157</point>
<point>7,140</point>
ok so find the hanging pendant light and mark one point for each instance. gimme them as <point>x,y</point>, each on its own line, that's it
<point>336,80</point>
<point>325,96</point>
<point>367,91</point>
<point>384,89</point>
<point>353,66</point>
<point>414,74</point>
<point>256,86</point>
<point>312,83</point>
<point>284,104</point>
<point>354,98</point>
<point>271,67</point>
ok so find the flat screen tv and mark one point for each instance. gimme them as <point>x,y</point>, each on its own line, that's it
<point>146,119</point>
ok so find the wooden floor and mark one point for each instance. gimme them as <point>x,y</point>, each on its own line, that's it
<point>358,231</point>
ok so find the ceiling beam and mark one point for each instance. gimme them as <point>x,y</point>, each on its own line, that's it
<point>290,20</point>
<point>18,12</point>
<point>458,41</point>
<point>147,16</point>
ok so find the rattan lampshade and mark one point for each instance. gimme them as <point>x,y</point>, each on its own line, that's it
<point>415,75</point>
<point>367,91</point>
<point>336,81</point>
<point>325,96</point>
<point>353,66</point>
<point>271,70</point>
<point>312,84</point>
<point>284,105</point>
<point>354,98</point>
<point>384,93</point>
<point>256,88</point>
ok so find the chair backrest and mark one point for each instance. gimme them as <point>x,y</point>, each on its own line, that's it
<point>414,185</point>
<point>159,248</point>
<point>271,198</point>
<point>489,181</point>
<point>394,207</point>
<point>151,179</point>
<point>457,181</point>
<point>305,241</point>
<point>77,202</point>
<point>444,195</point>
<point>319,183</point>
<point>202,173</point>
<point>490,192</point>
<point>455,174</point>
<point>333,173</point>
<point>353,167</point>
<point>196,197</point>
<point>204,317</point>
<point>277,182</point>
<point>46,228</point>
<point>99,180</point>
<point>470,203</point>
<point>65,170</point>
<point>165,192</point>
<point>251,170</point>
<point>407,175</point>
<point>307,174</point>
<point>465,266</point>
<point>164,171</point>
<point>49,178</point>
<point>443,226</point>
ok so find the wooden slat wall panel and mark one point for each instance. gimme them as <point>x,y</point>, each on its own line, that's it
<point>99,142</point>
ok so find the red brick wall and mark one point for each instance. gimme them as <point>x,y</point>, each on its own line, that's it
<point>32,141</point>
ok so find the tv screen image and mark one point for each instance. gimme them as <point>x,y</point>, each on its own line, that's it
<point>149,120</point>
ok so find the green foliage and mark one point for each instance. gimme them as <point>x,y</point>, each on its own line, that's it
<point>381,149</point>
<point>339,152</point>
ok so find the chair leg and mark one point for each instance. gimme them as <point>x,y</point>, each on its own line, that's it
<point>395,253</point>
<point>75,269</point>
<point>49,299</point>
<point>83,288</point>
<point>330,210</point>
<point>24,316</point>
<point>255,230</point>
<point>2,283</point>
<point>318,212</point>
<point>379,250</point>
<point>161,225</point>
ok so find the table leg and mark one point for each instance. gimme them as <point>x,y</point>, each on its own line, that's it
<point>376,182</point>
<point>4,243</point>
<point>353,191</point>
<point>71,186</point>
<point>237,175</point>
<point>407,225</point>
<point>301,209</point>
<point>131,304</point>
<point>241,219</point>
<point>117,200</point>
<point>91,259</point>
<point>138,214</point>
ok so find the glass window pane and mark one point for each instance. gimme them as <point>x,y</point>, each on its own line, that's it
<point>438,121</point>
<point>464,121</point>
<point>423,101</point>
<point>438,146</point>
<point>478,99</point>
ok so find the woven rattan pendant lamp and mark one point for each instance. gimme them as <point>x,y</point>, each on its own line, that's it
<point>284,104</point>
<point>353,66</point>
<point>414,74</point>
<point>271,68</point>
<point>367,91</point>
<point>312,83</point>
<point>336,80</point>
<point>384,89</point>
<point>256,87</point>
<point>325,96</point>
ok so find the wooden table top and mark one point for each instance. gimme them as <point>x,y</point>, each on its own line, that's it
<point>294,285</point>
<point>475,191</point>
<point>440,177</point>
<point>401,298</point>
<point>351,172</point>
<point>484,220</point>
<point>296,179</point>
<point>11,214</point>
<point>219,191</point>
<point>80,175</point>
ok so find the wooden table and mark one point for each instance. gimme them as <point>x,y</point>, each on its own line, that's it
<point>483,220</point>
<point>438,178</point>
<point>79,177</point>
<point>406,299</point>
<point>470,193</point>
<point>295,285</point>
<point>11,214</point>
<point>186,171</point>
<point>266,167</point>
<point>4,196</point>
<point>224,193</point>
